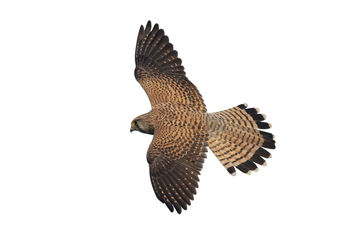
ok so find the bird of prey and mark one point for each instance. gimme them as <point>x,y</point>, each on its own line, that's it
<point>182,128</point>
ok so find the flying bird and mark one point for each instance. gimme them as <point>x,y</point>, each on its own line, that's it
<point>182,128</point>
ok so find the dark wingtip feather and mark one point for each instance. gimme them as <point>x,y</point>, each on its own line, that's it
<point>148,26</point>
<point>178,209</point>
<point>156,27</point>
<point>141,33</point>
<point>170,206</point>
<point>153,51</point>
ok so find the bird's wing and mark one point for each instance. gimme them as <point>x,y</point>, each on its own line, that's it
<point>159,70</point>
<point>176,156</point>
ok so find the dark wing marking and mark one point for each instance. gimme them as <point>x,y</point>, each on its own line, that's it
<point>175,165</point>
<point>160,72</point>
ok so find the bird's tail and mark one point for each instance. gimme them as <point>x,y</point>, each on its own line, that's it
<point>236,138</point>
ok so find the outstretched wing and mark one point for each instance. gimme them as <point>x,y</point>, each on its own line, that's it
<point>176,156</point>
<point>160,73</point>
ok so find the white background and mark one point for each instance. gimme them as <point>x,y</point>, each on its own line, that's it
<point>73,178</point>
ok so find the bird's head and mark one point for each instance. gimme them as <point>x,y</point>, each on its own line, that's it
<point>142,124</point>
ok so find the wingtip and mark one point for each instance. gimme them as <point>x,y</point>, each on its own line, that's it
<point>148,26</point>
<point>142,29</point>
<point>141,33</point>
<point>178,209</point>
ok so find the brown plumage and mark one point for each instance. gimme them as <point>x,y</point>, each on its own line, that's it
<point>183,129</point>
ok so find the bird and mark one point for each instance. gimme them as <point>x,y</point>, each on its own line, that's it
<point>182,128</point>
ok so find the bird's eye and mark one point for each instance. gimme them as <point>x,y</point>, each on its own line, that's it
<point>134,123</point>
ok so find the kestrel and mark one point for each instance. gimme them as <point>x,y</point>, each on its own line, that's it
<point>182,128</point>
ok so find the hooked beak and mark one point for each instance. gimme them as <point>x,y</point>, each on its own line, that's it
<point>133,128</point>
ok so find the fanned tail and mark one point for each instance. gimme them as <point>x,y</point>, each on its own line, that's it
<point>237,139</point>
